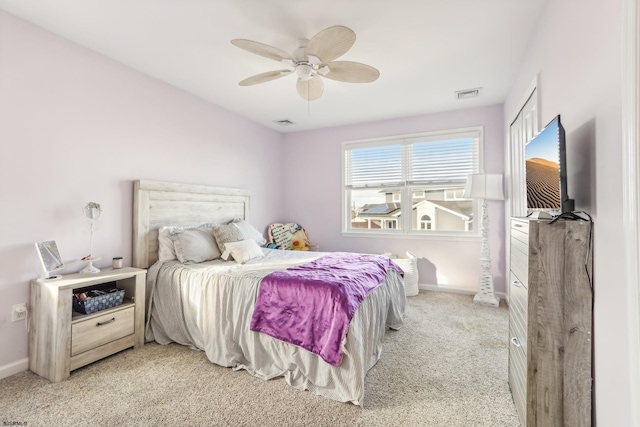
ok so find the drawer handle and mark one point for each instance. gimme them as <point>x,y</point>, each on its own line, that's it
<point>517,225</point>
<point>113,319</point>
<point>515,342</point>
<point>517,283</point>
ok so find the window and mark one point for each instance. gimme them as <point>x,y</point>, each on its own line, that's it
<point>412,184</point>
<point>454,194</point>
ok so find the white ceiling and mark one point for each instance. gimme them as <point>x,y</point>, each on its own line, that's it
<point>425,50</point>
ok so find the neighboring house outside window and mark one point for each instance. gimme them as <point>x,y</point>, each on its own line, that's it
<point>422,176</point>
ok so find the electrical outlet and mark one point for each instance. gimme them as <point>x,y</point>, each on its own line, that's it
<point>19,312</point>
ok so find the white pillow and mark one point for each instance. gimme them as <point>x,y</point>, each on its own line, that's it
<point>195,245</point>
<point>165,244</point>
<point>166,251</point>
<point>242,251</point>
<point>249,231</point>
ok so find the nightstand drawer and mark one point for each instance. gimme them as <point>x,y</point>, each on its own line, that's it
<point>96,331</point>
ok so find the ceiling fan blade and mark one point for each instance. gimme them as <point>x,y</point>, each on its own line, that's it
<point>310,89</point>
<point>351,72</point>
<point>331,43</point>
<point>264,77</point>
<point>261,49</point>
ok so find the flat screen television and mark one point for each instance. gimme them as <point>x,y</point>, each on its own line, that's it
<point>546,171</point>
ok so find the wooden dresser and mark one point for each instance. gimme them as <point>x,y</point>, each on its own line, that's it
<point>62,340</point>
<point>550,322</point>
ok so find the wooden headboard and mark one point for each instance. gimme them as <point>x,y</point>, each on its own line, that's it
<point>157,203</point>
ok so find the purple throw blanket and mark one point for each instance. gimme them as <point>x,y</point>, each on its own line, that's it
<point>311,305</point>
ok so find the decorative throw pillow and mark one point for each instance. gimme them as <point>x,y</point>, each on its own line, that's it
<point>225,234</point>
<point>249,231</point>
<point>243,250</point>
<point>195,245</point>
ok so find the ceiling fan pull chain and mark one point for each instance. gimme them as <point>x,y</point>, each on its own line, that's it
<point>308,99</point>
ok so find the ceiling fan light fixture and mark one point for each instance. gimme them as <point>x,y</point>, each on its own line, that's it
<point>304,71</point>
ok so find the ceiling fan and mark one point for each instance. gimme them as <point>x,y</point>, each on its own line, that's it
<point>312,60</point>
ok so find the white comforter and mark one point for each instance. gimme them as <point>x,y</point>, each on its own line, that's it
<point>208,306</point>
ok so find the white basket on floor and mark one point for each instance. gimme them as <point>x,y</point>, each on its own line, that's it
<point>409,264</point>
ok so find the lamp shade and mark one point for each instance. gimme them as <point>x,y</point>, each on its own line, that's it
<point>484,186</point>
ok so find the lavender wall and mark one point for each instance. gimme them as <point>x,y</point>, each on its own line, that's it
<point>76,127</point>
<point>577,52</point>
<point>314,190</point>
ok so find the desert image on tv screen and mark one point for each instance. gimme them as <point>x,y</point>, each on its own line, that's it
<point>543,171</point>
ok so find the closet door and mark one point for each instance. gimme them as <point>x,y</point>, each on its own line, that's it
<point>530,124</point>
<point>522,130</point>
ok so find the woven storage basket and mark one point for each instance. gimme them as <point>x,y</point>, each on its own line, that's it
<point>409,264</point>
<point>112,298</point>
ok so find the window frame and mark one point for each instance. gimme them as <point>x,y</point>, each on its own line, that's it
<point>407,188</point>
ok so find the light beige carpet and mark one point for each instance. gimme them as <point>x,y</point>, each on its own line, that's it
<point>446,367</point>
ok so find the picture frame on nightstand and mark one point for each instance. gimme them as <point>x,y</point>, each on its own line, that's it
<point>50,259</point>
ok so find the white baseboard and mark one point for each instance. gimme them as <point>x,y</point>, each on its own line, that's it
<point>452,290</point>
<point>14,368</point>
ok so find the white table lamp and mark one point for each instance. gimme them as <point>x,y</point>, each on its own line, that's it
<point>92,211</point>
<point>486,187</point>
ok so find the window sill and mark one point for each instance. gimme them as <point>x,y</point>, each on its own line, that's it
<point>431,236</point>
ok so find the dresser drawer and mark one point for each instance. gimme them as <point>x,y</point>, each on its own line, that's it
<point>518,309</point>
<point>518,377</point>
<point>96,331</point>
<point>520,230</point>
<point>519,260</point>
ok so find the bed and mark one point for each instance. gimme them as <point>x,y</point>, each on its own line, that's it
<point>209,305</point>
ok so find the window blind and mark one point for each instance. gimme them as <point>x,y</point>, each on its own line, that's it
<point>414,161</point>
<point>448,161</point>
<point>375,166</point>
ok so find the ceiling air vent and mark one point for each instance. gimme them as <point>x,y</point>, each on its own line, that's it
<point>284,122</point>
<point>468,93</point>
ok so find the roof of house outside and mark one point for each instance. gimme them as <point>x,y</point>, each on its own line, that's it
<point>462,208</point>
<point>381,209</point>
<point>459,207</point>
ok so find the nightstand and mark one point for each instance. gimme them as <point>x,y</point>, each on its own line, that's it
<point>61,340</point>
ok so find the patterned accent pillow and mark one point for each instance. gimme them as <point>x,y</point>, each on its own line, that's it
<point>226,234</point>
